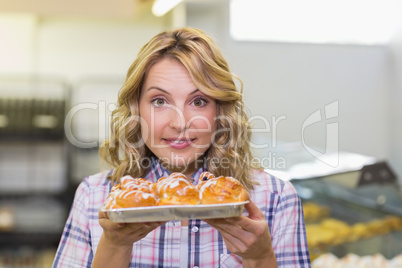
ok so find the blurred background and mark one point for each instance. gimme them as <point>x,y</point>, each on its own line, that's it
<point>322,83</point>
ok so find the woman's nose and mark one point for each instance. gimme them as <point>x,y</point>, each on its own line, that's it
<point>177,119</point>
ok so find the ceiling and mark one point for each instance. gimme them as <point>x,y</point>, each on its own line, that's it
<point>123,9</point>
<point>87,8</point>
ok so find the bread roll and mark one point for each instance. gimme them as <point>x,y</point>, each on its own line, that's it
<point>129,183</point>
<point>222,190</point>
<point>176,190</point>
<point>205,176</point>
<point>127,198</point>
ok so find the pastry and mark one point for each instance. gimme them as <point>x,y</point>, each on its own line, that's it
<point>222,190</point>
<point>126,198</point>
<point>176,190</point>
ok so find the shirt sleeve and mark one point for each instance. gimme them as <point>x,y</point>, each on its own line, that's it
<point>75,248</point>
<point>288,230</point>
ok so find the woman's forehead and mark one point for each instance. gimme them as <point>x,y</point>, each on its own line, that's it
<point>169,77</point>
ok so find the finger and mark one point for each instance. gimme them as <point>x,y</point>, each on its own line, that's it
<point>253,211</point>
<point>138,231</point>
<point>105,222</point>
<point>143,226</point>
<point>155,224</point>
<point>222,222</point>
<point>245,223</point>
<point>218,223</point>
<point>102,215</point>
<point>237,225</point>
<point>249,223</point>
<point>226,226</point>
<point>230,230</point>
<point>233,238</point>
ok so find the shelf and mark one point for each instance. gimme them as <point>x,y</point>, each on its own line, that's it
<point>32,215</point>
<point>32,256</point>
<point>33,167</point>
<point>36,192</point>
<point>15,240</point>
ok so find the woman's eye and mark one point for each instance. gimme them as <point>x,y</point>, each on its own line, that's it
<point>199,102</point>
<point>158,102</point>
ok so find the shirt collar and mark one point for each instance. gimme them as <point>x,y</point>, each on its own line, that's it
<point>157,171</point>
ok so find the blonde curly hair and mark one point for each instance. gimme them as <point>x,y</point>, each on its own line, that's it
<point>209,71</point>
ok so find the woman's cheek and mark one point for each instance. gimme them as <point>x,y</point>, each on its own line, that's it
<point>202,122</point>
<point>157,127</point>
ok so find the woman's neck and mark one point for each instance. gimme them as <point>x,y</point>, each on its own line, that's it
<point>187,170</point>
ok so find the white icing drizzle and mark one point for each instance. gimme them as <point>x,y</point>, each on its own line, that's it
<point>123,194</point>
<point>172,181</point>
<point>213,183</point>
<point>129,182</point>
<point>207,184</point>
<point>138,186</point>
<point>207,174</point>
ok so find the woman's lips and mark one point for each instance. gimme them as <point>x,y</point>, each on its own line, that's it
<point>178,144</point>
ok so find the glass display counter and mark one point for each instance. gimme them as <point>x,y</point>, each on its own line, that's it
<point>351,207</point>
<point>363,221</point>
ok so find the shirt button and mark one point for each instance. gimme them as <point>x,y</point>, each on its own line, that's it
<point>194,230</point>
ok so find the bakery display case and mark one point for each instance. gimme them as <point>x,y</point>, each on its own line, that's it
<point>353,210</point>
<point>362,221</point>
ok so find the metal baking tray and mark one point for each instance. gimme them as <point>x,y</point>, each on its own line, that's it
<point>175,212</point>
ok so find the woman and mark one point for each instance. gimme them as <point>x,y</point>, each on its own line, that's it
<point>179,111</point>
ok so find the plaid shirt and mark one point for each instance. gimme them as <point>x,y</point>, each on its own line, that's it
<point>205,247</point>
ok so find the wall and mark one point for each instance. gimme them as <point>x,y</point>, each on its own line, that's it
<point>295,80</point>
<point>75,48</point>
<point>16,42</point>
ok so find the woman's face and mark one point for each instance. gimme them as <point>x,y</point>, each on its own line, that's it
<point>177,119</point>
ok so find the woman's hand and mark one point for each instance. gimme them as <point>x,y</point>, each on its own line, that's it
<point>247,237</point>
<point>116,243</point>
<point>125,234</point>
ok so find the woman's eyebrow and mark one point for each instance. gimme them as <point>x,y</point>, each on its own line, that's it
<point>195,91</point>
<point>157,88</point>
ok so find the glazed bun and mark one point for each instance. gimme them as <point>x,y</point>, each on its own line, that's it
<point>204,177</point>
<point>131,192</point>
<point>176,190</point>
<point>222,190</point>
<point>127,198</point>
<point>140,184</point>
